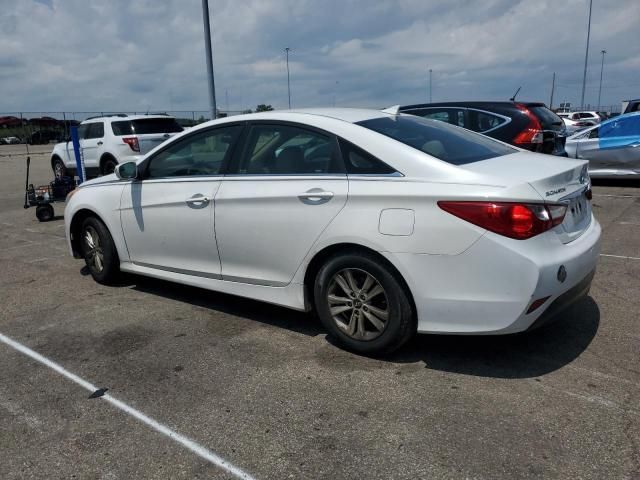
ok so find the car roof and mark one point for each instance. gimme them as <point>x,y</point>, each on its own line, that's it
<point>123,118</point>
<point>473,104</point>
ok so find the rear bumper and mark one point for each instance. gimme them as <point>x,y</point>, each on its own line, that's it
<point>488,288</point>
<point>564,301</point>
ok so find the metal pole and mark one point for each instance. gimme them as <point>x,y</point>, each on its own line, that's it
<point>553,87</point>
<point>586,57</point>
<point>430,86</point>
<point>601,70</point>
<point>207,46</point>
<point>288,79</point>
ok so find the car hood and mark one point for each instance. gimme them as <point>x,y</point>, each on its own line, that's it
<point>551,177</point>
<point>100,180</point>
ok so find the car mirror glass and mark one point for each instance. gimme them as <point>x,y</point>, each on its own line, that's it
<point>127,171</point>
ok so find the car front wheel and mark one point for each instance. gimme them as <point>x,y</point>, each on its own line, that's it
<point>99,251</point>
<point>363,303</point>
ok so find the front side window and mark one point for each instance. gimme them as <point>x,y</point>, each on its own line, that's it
<point>203,153</point>
<point>454,116</point>
<point>288,150</point>
<point>454,145</point>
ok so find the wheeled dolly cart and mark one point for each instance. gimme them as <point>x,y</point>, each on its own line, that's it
<point>43,196</point>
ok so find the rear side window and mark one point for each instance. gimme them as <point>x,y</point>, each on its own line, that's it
<point>484,121</point>
<point>288,150</point>
<point>145,125</point>
<point>454,145</point>
<point>359,162</point>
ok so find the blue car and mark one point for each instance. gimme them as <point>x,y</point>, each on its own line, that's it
<point>612,147</point>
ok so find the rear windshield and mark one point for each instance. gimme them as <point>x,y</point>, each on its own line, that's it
<point>547,117</point>
<point>454,145</point>
<point>146,125</point>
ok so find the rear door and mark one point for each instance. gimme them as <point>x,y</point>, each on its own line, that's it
<point>285,187</point>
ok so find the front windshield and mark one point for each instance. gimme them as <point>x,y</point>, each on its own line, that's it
<point>449,143</point>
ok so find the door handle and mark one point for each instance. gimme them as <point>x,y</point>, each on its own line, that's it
<point>315,196</point>
<point>99,143</point>
<point>198,200</point>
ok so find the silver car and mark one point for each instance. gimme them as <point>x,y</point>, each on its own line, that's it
<point>612,148</point>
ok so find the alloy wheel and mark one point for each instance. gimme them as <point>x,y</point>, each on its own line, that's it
<point>93,249</point>
<point>358,304</point>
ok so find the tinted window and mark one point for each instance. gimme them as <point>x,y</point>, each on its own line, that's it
<point>83,131</point>
<point>546,116</point>
<point>593,133</point>
<point>145,125</point>
<point>203,153</point>
<point>446,142</point>
<point>357,161</point>
<point>286,150</point>
<point>95,130</point>
<point>484,121</point>
<point>454,116</point>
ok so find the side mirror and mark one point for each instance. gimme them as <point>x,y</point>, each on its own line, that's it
<point>127,171</point>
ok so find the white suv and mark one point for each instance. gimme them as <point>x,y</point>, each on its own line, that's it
<point>109,140</point>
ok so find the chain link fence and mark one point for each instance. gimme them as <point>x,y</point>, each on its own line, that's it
<point>40,128</point>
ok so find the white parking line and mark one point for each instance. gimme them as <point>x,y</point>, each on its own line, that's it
<point>619,256</point>
<point>184,441</point>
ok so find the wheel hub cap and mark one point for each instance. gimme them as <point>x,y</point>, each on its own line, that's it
<point>358,304</point>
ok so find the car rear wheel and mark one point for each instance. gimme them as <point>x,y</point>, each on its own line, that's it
<point>99,251</point>
<point>363,304</point>
<point>59,169</point>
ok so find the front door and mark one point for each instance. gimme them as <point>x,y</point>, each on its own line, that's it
<point>284,189</point>
<point>92,139</point>
<point>168,216</point>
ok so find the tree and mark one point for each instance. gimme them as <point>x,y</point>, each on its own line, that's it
<point>264,108</point>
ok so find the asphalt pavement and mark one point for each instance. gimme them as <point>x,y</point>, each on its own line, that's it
<point>264,389</point>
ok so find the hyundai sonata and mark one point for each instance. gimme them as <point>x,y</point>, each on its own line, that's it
<point>385,224</point>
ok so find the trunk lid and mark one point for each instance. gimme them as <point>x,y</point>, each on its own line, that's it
<point>555,179</point>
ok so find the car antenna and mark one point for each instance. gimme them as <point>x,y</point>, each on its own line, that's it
<point>513,99</point>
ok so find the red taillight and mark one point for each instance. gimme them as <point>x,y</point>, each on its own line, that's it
<point>513,220</point>
<point>132,142</point>
<point>532,132</point>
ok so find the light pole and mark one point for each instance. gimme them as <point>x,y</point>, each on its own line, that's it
<point>207,46</point>
<point>601,70</point>
<point>586,57</point>
<point>430,85</point>
<point>288,79</point>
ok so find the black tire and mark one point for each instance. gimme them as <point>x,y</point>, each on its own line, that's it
<point>59,169</point>
<point>109,165</point>
<point>106,269</point>
<point>44,213</point>
<point>400,323</point>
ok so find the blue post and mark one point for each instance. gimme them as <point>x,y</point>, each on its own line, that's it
<point>75,139</point>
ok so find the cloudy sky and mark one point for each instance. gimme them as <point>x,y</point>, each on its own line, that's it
<point>125,55</point>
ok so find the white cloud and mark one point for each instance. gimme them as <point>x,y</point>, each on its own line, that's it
<point>140,54</point>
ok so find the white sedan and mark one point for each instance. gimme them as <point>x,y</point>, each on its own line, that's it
<point>385,224</point>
